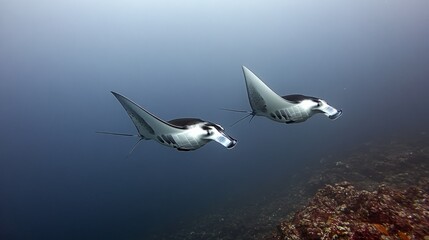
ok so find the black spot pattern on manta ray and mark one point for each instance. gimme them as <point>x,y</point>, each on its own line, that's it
<point>297,98</point>
<point>184,122</point>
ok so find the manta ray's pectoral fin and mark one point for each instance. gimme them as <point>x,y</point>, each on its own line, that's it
<point>261,97</point>
<point>148,125</point>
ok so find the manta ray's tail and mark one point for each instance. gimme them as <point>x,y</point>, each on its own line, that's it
<point>124,135</point>
<point>117,134</point>
<point>249,113</point>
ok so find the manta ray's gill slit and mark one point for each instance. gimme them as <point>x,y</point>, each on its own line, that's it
<point>171,139</point>
<point>166,139</point>
<point>284,114</point>
<point>160,139</point>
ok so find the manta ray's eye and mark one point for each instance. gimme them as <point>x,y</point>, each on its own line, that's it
<point>208,129</point>
<point>209,132</point>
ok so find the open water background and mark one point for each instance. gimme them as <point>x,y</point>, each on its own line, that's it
<point>60,59</point>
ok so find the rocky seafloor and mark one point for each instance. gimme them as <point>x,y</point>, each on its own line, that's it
<point>343,212</point>
<point>379,190</point>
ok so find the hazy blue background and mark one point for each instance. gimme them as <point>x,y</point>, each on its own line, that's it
<point>60,59</point>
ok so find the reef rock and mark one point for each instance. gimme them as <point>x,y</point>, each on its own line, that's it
<point>342,212</point>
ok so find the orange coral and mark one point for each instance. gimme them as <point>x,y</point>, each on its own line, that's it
<point>403,236</point>
<point>382,229</point>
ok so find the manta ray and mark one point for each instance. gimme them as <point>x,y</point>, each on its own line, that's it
<point>183,134</point>
<point>288,109</point>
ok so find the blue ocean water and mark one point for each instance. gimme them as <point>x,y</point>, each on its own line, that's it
<point>59,60</point>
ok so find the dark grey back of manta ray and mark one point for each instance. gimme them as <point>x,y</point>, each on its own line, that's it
<point>185,122</point>
<point>297,98</point>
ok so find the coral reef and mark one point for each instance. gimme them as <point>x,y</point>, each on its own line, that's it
<point>379,190</point>
<point>398,163</point>
<point>393,202</point>
<point>342,212</point>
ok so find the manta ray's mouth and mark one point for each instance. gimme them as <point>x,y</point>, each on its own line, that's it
<point>330,112</point>
<point>226,141</point>
<point>232,144</point>
<point>336,115</point>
